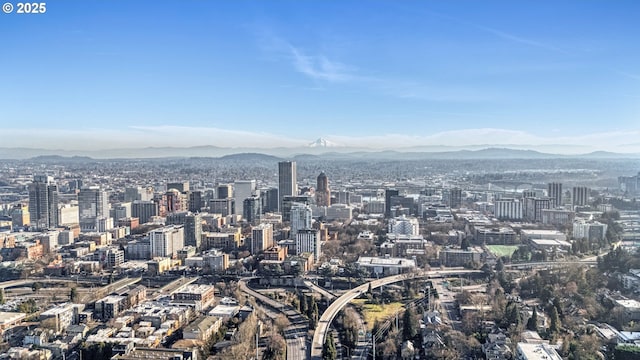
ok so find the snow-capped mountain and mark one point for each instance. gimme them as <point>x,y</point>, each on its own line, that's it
<point>322,143</point>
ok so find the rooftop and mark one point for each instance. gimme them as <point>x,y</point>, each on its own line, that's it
<point>537,351</point>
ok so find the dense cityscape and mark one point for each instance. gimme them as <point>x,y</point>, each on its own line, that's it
<point>253,256</point>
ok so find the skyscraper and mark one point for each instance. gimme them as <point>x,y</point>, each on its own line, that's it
<point>261,238</point>
<point>269,200</point>
<point>243,189</point>
<point>193,230</point>
<point>555,194</point>
<point>580,195</point>
<point>308,241</point>
<point>455,198</point>
<point>287,181</point>
<point>323,194</point>
<point>93,204</point>
<point>43,202</point>
<point>388,193</point>
<point>252,209</point>
<point>224,191</point>
<point>195,201</point>
<point>166,241</point>
<point>144,210</point>
<point>301,216</point>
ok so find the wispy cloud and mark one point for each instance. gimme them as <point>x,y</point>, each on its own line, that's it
<point>323,69</point>
<point>519,39</point>
<point>629,75</point>
<point>501,34</point>
<point>319,67</point>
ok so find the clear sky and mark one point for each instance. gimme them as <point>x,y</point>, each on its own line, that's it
<point>283,73</point>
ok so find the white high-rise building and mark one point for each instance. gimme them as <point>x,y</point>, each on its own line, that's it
<point>404,226</point>
<point>590,230</point>
<point>261,238</point>
<point>242,189</point>
<point>301,216</point>
<point>508,209</point>
<point>166,241</point>
<point>308,240</point>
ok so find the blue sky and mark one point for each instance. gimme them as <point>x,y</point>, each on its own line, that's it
<point>273,73</point>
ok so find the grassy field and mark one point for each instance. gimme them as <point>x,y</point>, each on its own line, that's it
<point>372,312</point>
<point>502,250</point>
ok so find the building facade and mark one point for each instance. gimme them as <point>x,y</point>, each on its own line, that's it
<point>287,180</point>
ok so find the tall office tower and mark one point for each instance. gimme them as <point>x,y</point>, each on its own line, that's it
<point>287,181</point>
<point>555,194</point>
<point>388,194</point>
<point>137,193</point>
<point>166,241</point>
<point>193,230</point>
<point>120,211</point>
<point>182,186</point>
<point>455,198</point>
<point>269,200</point>
<point>144,210</point>
<point>93,204</point>
<point>308,241</point>
<point>243,189</point>
<point>224,191</point>
<point>75,184</point>
<point>261,238</point>
<point>224,207</point>
<point>580,195</point>
<point>343,197</point>
<point>301,216</point>
<point>287,203</point>
<point>533,208</point>
<point>252,209</point>
<point>508,209</point>
<point>195,201</point>
<point>43,202</point>
<point>323,194</point>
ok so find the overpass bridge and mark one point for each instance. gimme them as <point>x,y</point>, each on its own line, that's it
<point>327,317</point>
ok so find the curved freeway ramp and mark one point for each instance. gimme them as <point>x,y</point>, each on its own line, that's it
<point>327,317</point>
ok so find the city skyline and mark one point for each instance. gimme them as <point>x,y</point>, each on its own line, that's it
<point>550,75</point>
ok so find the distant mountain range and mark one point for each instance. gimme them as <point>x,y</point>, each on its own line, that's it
<point>320,152</point>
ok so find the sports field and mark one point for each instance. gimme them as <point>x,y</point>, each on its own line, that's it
<point>502,250</point>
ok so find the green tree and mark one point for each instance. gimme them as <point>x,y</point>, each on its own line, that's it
<point>329,349</point>
<point>410,324</point>
<point>73,294</point>
<point>532,323</point>
<point>2,300</point>
<point>555,324</point>
<point>36,287</point>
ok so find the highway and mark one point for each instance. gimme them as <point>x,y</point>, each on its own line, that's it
<point>22,282</point>
<point>322,291</point>
<point>296,333</point>
<point>333,309</point>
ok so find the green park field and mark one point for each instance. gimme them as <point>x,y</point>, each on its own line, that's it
<point>502,250</point>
